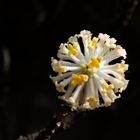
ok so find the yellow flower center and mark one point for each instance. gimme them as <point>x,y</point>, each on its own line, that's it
<point>78,79</point>
<point>95,62</point>
<point>92,66</point>
<point>72,50</point>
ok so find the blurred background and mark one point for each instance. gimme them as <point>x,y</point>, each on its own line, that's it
<point>30,33</point>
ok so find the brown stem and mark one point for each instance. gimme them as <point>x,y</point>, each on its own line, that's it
<point>62,120</point>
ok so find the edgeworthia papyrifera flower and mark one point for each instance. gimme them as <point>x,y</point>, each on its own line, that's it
<point>87,76</point>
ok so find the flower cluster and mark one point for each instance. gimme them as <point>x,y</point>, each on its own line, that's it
<point>87,77</point>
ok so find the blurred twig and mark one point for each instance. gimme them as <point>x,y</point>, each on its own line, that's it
<point>124,18</point>
<point>62,120</point>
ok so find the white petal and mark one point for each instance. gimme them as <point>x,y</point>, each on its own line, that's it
<point>61,77</point>
<point>65,63</point>
<point>63,49</point>
<point>60,86</point>
<point>103,37</point>
<point>115,74</point>
<point>71,58</point>
<point>114,54</point>
<point>75,94</point>
<point>119,85</point>
<point>68,93</point>
<point>105,97</point>
<point>74,40</point>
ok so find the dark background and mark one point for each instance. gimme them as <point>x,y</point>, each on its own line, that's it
<point>30,33</point>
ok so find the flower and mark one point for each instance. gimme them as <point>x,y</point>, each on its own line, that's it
<point>87,77</point>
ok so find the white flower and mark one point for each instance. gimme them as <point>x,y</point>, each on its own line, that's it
<point>87,78</point>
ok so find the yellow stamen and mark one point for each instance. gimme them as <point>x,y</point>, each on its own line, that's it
<point>90,44</point>
<point>93,102</point>
<point>93,43</point>
<point>107,88</point>
<point>60,88</point>
<point>104,91</point>
<point>79,79</point>
<point>72,50</point>
<point>99,59</point>
<point>122,67</point>
<point>107,103</point>
<point>95,62</point>
<point>60,69</point>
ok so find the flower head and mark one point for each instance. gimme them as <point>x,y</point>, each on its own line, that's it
<point>89,79</point>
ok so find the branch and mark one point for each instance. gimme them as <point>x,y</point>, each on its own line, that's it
<point>62,120</point>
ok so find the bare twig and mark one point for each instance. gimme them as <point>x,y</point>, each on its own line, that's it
<point>61,121</point>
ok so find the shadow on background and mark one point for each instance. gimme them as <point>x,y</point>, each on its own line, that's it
<point>31,32</point>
